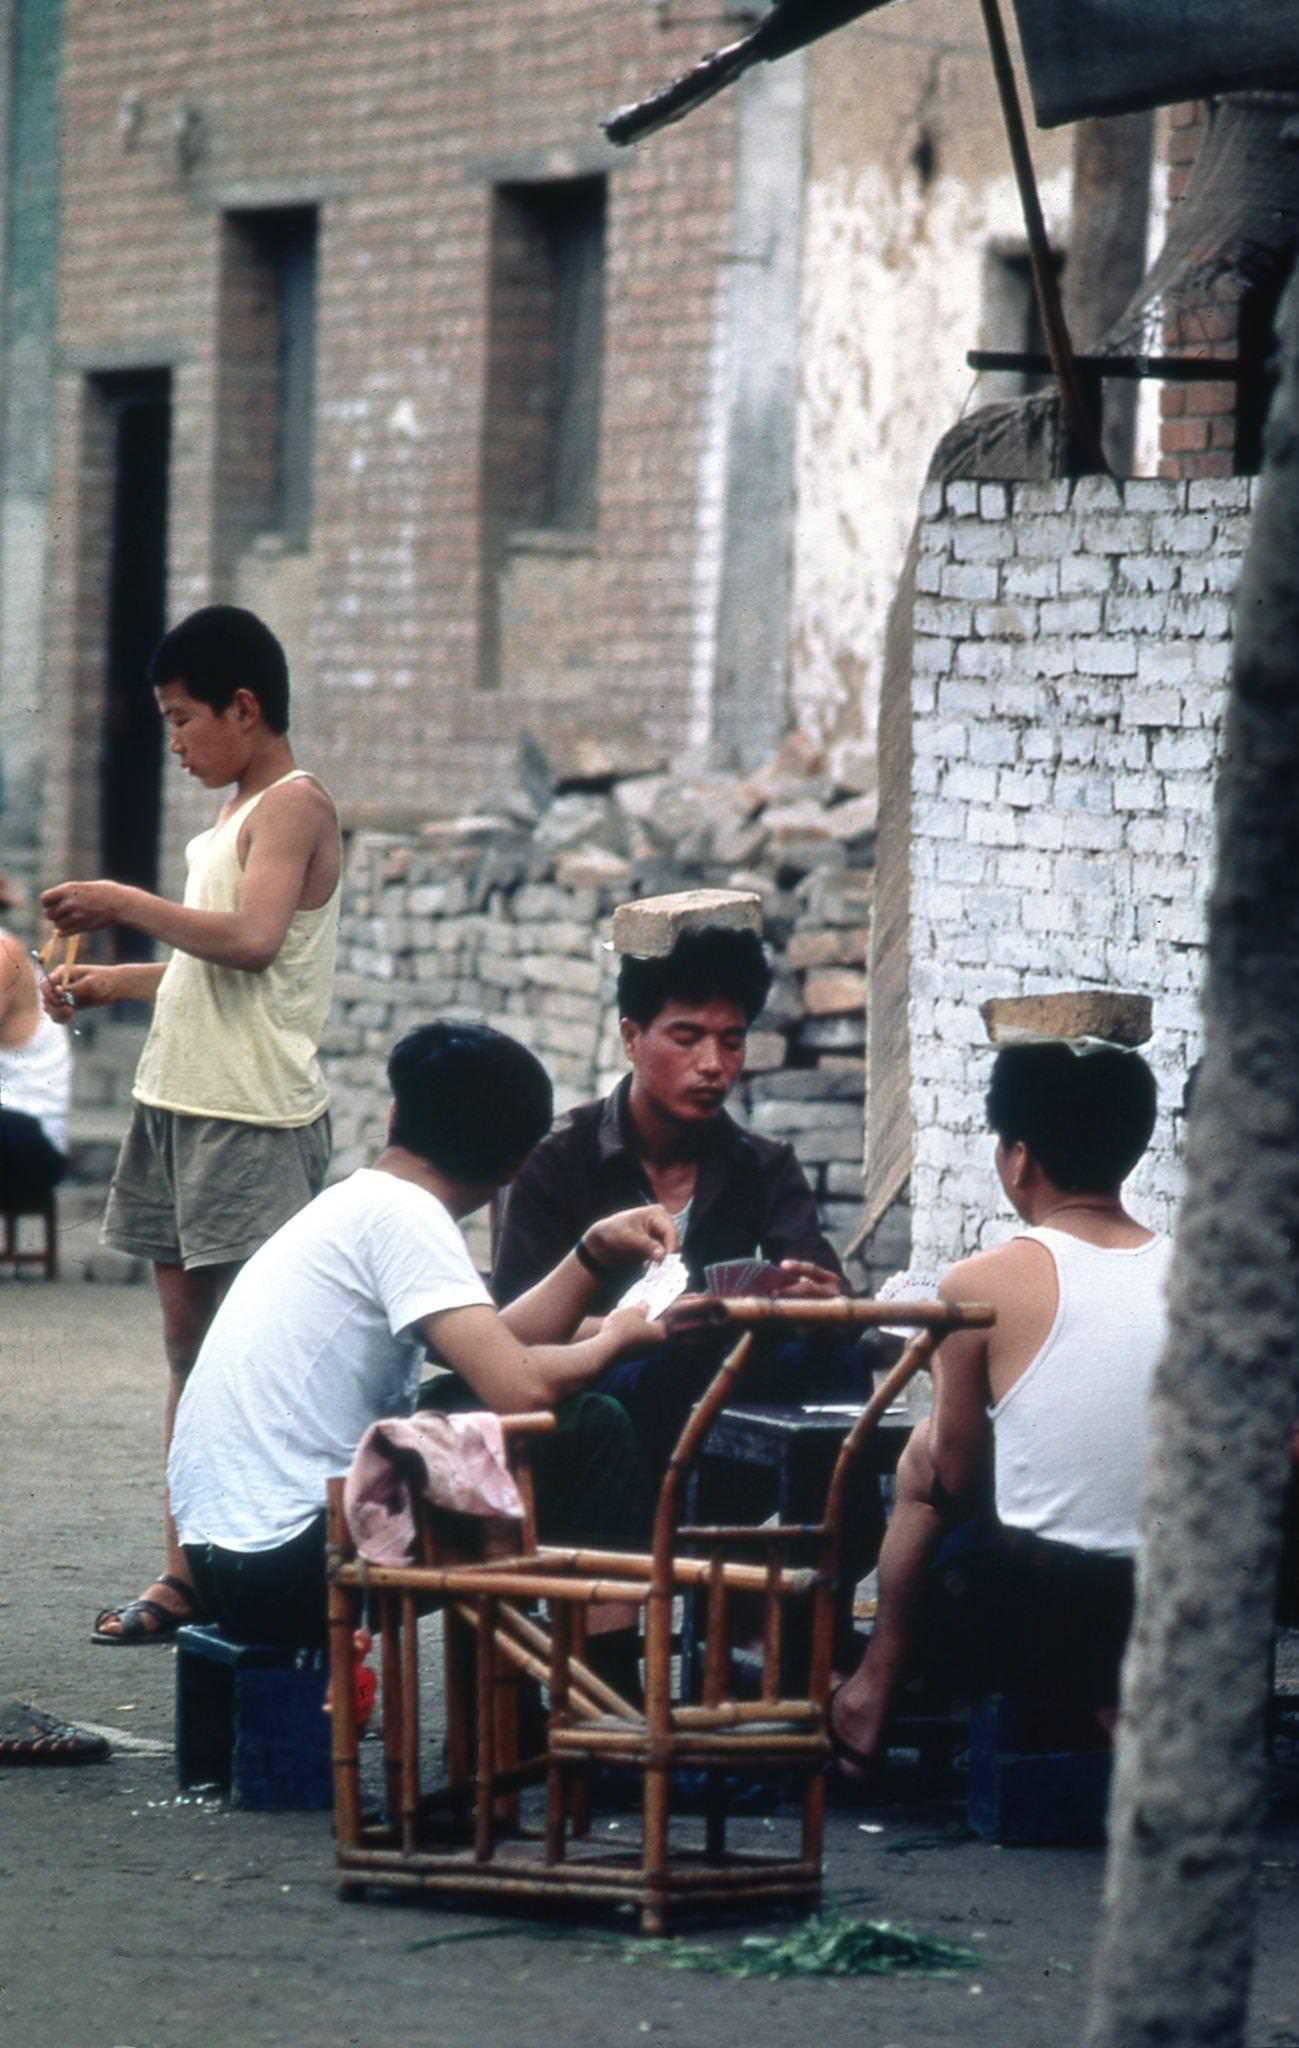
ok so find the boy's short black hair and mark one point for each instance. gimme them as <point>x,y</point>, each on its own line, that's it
<point>708,964</point>
<point>219,650</point>
<point>1085,1116</point>
<point>468,1099</point>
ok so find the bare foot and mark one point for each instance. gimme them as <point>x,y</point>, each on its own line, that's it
<point>855,1727</point>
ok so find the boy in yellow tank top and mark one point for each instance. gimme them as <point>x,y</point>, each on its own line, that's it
<point>229,1134</point>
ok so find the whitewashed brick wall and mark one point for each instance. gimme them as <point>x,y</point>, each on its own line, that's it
<point>1072,649</point>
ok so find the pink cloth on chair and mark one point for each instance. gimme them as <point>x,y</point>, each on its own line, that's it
<point>455,1461</point>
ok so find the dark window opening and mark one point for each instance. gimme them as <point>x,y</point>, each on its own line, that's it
<point>267,388</point>
<point>546,353</point>
<point>1012,320</point>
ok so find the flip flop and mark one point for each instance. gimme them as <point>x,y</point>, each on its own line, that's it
<point>132,1615</point>
<point>28,1735</point>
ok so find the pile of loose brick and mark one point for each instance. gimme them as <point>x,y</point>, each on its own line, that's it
<point>503,915</point>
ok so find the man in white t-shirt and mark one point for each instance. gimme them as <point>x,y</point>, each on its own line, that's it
<point>325,1330</point>
<point>1055,1392</point>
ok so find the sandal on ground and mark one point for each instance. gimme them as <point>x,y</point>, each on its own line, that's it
<point>28,1735</point>
<point>866,1769</point>
<point>146,1621</point>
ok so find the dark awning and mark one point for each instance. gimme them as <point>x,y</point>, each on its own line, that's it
<point>1113,56</point>
<point>790,26</point>
<point>1083,56</point>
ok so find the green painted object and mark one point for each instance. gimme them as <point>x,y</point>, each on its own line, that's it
<point>1111,56</point>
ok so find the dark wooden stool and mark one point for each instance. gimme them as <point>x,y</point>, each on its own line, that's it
<point>48,1256</point>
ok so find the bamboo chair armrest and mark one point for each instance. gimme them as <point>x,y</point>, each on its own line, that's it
<point>751,1311</point>
<point>761,1535</point>
<point>536,1422</point>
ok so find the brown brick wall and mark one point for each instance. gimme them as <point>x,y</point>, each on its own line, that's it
<point>1197,433</point>
<point>394,120</point>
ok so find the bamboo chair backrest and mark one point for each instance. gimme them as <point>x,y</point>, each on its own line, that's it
<point>932,1320</point>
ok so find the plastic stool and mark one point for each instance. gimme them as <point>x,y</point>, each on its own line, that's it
<point>1021,1796</point>
<point>250,1720</point>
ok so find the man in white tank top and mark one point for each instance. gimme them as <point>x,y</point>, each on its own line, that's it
<point>1057,1388</point>
<point>229,1134</point>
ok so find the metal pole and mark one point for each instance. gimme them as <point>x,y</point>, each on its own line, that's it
<point>1078,413</point>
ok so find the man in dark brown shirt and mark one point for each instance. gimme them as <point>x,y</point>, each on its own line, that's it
<point>663,1135</point>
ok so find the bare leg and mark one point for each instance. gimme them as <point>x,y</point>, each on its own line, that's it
<point>188,1301</point>
<point>861,1704</point>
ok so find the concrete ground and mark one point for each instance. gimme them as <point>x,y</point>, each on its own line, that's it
<point>138,1918</point>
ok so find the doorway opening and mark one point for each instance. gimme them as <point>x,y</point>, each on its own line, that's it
<point>135,417</point>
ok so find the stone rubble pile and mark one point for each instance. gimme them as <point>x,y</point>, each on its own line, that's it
<point>503,914</point>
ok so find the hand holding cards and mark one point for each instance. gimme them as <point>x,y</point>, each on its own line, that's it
<point>736,1278</point>
<point>657,1289</point>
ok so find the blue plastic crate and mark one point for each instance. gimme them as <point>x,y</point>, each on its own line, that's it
<point>250,1721</point>
<point>1024,1797</point>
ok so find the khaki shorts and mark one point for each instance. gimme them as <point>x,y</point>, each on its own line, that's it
<point>206,1191</point>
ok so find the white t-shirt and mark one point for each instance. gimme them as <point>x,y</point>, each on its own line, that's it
<point>312,1344</point>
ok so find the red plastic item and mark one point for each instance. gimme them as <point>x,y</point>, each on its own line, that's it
<point>365,1682</point>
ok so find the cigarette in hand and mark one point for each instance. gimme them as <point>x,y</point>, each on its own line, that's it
<point>44,962</point>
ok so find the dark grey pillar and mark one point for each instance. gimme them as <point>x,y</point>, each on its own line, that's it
<point>30,75</point>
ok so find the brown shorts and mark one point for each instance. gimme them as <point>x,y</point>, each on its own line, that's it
<point>205,1190</point>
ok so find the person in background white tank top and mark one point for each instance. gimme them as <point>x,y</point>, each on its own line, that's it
<point>35,1081</point>
<point>1057,1388</point>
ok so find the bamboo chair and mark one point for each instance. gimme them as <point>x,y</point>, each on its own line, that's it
<point>590,1724</point>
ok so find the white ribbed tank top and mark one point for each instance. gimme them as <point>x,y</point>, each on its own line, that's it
<point>1071,1434</point>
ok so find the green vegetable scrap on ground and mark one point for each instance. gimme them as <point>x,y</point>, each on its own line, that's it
<point>818,1948</point>
<point>828,1946</point>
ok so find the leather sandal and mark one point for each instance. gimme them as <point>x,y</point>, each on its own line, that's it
<point>136,1616</point>
<point>28,1735</point>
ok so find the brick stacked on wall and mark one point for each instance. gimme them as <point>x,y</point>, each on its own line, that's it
<point>1072,650</point>
<point>504,920</point>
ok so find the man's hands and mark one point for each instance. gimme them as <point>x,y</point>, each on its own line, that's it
<point>65,990</point>
<point>632,1235</point>
<point>84,906</point>
<point>802,1280</point>
<point>695,1315</point>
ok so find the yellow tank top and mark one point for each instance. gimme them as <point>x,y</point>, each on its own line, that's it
<point>229,1043</point>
